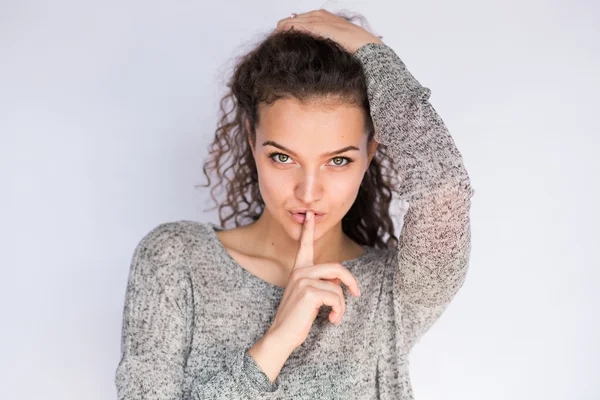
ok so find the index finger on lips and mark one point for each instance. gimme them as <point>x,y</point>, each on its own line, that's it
<point>305,255</point>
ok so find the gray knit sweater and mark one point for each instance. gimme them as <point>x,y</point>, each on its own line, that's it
<point>192,312</point>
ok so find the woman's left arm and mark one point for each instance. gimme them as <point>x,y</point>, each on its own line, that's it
<point>435,241</point>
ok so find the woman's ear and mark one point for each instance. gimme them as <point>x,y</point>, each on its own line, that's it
<point>372,148</point>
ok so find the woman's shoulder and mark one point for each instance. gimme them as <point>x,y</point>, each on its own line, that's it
<point>377,255</point>
<point>176,238</point>
<point>373,262</point>
<point>184,229</point>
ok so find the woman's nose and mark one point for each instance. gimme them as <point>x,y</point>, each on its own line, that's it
<point>309,189</point>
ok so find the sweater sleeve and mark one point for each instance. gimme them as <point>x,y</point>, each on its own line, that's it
<point>433,251</point>
<point>157,330</point>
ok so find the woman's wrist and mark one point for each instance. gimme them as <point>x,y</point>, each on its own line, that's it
<point>270,352</point>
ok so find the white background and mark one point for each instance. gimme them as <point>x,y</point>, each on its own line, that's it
<point>106,112</point>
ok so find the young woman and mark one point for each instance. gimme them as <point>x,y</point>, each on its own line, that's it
<point>313,296</point>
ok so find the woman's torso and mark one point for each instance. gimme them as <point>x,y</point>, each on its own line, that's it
<point>233,308</point>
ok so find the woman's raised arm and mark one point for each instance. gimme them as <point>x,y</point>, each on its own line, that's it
<point>435,241</point>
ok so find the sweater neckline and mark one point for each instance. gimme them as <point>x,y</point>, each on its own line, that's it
<point>213,228</point>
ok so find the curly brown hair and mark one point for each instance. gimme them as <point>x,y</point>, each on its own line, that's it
<point>309,68</point>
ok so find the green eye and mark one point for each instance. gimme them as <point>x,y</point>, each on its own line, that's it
<point>339,161</point>
<point>279,158</point>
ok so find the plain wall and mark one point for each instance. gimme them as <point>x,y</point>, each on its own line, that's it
<point>106,112</point>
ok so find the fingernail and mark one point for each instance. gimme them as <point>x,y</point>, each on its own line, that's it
<point>308,216</point>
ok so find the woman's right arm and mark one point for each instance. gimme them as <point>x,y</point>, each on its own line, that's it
<point>157,330</point>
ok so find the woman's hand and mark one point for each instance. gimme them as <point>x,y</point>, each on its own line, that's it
<point>309,287</point>
<point>323,23</point>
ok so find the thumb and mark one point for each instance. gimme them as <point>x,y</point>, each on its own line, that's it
<point>305,256</point>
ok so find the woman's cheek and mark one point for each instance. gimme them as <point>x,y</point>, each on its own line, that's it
<point>272,184</point>
<point>342,191</point>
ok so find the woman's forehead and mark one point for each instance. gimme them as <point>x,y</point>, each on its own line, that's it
<point>290,120</point>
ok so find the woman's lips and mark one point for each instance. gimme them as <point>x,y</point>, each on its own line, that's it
<point>298,217</point>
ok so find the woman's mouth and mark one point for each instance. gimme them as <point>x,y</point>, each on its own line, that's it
<point>299,217</point>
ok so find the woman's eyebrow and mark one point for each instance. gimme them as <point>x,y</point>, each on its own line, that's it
<point>343,150</point>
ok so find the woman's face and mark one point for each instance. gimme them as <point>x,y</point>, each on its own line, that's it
<point>310,157</point>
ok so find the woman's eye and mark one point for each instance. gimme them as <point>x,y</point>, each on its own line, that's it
<point>339,161</point>
<point>282,158</point>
